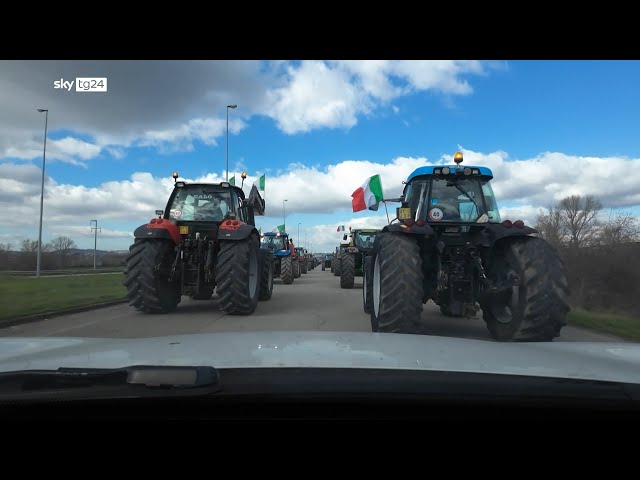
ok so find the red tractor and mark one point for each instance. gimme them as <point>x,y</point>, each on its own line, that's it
<point>205,239</point>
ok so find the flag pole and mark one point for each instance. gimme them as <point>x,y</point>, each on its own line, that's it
<point>385,209</point>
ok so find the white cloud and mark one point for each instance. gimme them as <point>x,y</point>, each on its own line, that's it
<point>181,137</point>
<point>395,109</point>
<point>315,96</point>
<point>333,94</point>
<point>75,231</point>
<point>167,104</point>
<point>68,150</point>
<point>522,187</point>
<point>551,176</point>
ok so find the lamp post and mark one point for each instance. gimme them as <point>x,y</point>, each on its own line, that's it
<point>228,107</point>
<point>95,241</point>
<point>299,223</point>
<point>284,216</point>
<point>44,154</point>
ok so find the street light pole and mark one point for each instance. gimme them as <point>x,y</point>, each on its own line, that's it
<point>284,216</point>
<point>44,154</point>
<point>299,232</point>
<point>228,107</point>
<point>95,241</point>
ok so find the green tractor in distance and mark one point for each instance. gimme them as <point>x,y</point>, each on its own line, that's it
<point>353,256</point>
<point>449,245</point>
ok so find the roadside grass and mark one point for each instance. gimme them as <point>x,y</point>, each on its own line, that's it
<point>20,296</point>
<point>624,326</point>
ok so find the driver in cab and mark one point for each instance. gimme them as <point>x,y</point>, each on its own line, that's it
<point>211,210</point>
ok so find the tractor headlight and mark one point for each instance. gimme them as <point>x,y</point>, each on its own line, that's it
<point>467,171</point>
<point>446,171</point>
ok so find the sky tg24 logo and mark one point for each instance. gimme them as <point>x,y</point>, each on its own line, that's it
<point>82,84</point>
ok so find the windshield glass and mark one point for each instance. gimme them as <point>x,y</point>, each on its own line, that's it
<point>200,203</point>
<point>365,239</point>
<point>273,242</point>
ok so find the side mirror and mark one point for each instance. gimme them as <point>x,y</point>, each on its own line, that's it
<point>159,213</point>
<point>344,237</point>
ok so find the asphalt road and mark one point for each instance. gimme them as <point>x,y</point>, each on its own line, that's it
<point>314,301</point>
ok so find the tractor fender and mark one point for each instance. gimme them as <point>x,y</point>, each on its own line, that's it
<point>158,228</point>
<point>235,230</point>
<point>415,229</point>
<point>496,231</point>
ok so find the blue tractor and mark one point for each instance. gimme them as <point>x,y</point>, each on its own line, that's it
<point>448,244</point>
<point>285,265</point>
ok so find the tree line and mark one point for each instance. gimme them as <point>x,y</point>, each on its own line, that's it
<point>601,252</point>
<point>57,254</point>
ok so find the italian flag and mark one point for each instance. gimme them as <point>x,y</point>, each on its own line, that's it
<point>368,195</point>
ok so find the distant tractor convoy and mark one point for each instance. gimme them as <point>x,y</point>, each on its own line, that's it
<point>447,243</point>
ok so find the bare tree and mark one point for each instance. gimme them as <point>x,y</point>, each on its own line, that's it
<point>550,227</point>
<point>578,216</point>
<point>4,255</point>
<point>620,228</point>
<point>28,246</point>
<point>62,246</point>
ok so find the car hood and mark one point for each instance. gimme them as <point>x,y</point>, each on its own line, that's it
<point>580,360</point>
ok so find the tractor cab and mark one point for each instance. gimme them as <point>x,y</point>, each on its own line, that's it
<point>200,208</point>
<point>276,243</point>
<point>449,194</point>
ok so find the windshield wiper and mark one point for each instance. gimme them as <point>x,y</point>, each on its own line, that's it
<point>98,383</point>
<point>464,192</point>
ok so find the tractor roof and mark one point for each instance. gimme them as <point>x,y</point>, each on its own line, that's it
<point>238,190</point>
<point>367,230</point>
<point>484,171</point>
<point>275,234</point>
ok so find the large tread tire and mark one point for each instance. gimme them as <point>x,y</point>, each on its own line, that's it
<point>323,267</point>
<point>148,288</point>
<point>543,294</point>
<point>238,276</point>
<point>347,270</point>
<point>296,268</point>
<point>367,285</point>
<point>303,266</point>
<point>336,268</point>
<point>332,268</point>
<point>286,270</point>
<point>266,278</point>
<point>397,285</point>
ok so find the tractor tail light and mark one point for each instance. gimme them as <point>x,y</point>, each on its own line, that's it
<point>507,224</point>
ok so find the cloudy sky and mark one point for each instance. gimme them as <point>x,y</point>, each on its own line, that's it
<point>317,129</point>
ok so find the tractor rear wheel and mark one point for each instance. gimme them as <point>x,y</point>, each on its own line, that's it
<point>303,266</point>
<point>286,270</point>
<point>367,284</point>
<point>148,266</point>
<point>535,309</point>
<point>238,276</point>
<point>266,277</point>
<point>347,270</point>
<point>396,284</point>
<point>296,268</point>
<point>336,268</point>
